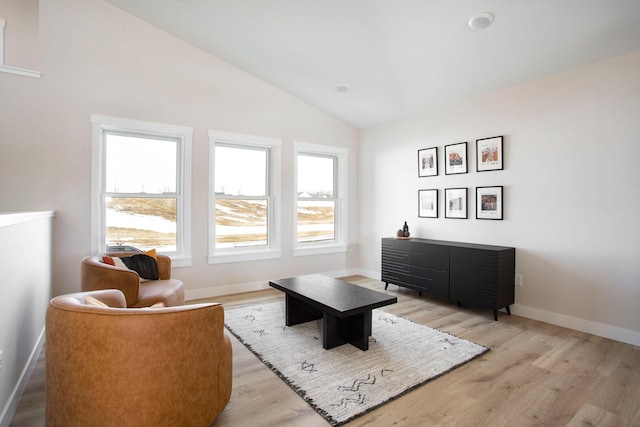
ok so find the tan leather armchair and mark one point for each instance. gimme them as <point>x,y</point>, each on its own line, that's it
<point>134,367</point>
<point>95,275</point>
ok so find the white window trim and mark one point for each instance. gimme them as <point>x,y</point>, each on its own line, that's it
<point>340,227</point>
<point>13,70</point>
<point>100,124</point>
<point>273,251</point>
<point>3,24</point>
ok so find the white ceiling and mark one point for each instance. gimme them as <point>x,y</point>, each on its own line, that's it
<point>396,56</point>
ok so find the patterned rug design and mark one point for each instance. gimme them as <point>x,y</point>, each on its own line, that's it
<point>345,382</point>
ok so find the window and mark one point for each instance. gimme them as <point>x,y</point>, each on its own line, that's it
<point>244,208</point>
<point>140,188</point>
<point>320,191</point>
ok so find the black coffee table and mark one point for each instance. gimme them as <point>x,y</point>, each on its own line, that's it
<point>345,308</point>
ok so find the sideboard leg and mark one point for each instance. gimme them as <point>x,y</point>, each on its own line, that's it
<point>495,314</point>
<point>508,310</point>
<point>386,285</point>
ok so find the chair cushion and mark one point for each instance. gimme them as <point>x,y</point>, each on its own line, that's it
<point>145,264</point>
<point>89,300</point>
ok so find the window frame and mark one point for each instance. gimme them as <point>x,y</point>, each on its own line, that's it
<point>129,127</point>
<point>4,68</point>
<point>272,250</point>
<point>339,244</point>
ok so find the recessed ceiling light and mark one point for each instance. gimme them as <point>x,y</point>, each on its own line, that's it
<point>480,21</point>
<point>341,87</point>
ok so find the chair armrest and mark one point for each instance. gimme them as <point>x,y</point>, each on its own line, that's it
<point>164,267</point>
<point>95,275</point>
<point>111,297</point>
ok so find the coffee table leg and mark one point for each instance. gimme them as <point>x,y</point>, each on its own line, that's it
<point>362,339</point>
<point>299,312</point>
<point>331,334</point>
<point>354,330</point>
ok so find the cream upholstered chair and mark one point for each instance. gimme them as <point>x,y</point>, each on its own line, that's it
<point>118,366</point>
<point>95,275</point>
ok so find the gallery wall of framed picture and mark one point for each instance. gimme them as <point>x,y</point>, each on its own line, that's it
<point>428,203</point>
<point>489,200</point>
<point>489,154</point>
<point>455,157</point>
<point>428,162</point>
<point>455,203</point>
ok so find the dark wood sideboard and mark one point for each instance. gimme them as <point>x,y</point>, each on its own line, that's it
<point>468,273</point>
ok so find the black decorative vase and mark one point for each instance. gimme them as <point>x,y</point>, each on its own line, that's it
<point>405,230</point>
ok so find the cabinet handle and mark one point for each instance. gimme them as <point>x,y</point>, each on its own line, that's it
<point>435,269</point>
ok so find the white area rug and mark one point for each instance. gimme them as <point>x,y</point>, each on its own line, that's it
<point>345,382</point>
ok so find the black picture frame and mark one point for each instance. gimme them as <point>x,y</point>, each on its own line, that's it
<point>428,162</point>
<point>489,154</point>
<point>428,203</point>
<point>455,203</point>
<point>455,158</point>
<point>489,202</point>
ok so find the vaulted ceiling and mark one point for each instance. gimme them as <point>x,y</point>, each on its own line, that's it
<point>396,57</point>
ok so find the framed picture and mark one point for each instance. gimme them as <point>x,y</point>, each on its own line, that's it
<point>489,202</point>
<point>428,203</point>
<point>428,162</point>
<point>489,154</point>
<point>455,158</point>
<point>455,203</point>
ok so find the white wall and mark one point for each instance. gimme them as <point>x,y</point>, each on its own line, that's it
<point>96,59</point>
<point>25,251</point>
<point>571,190</point>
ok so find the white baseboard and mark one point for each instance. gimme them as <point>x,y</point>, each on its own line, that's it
<point>14,398</point>
<point>344,273</point>
<point>371,274</point>
<point>600,329</point>
<point>236,288</point>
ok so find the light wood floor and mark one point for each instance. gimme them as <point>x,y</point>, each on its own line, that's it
<point>536,374</point>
